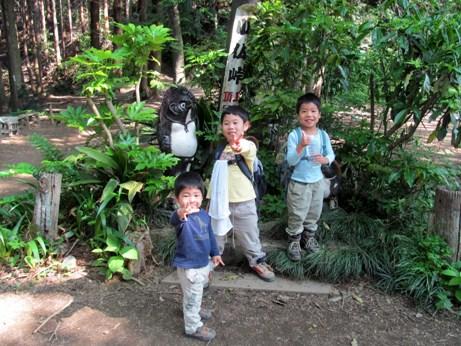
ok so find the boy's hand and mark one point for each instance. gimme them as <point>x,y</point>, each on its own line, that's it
<point>183,212</point>
<point>235,145</point>
<point>217,260</point>
<point>305,141</point>
<point>320,159</point>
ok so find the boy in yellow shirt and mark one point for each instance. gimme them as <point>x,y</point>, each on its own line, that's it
<point>240,191</point>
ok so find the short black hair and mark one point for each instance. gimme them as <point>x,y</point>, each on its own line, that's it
<point>188,179</point>
<point>236,110</point>
<point>308,98</point>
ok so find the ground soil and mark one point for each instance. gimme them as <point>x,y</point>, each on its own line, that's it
<point>149,312</point>
<point>122,313</point>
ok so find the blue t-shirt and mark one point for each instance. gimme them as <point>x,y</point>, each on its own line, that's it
<point>306,170</point>
<point>195,241</point>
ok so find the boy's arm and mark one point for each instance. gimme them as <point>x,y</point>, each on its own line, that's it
<point>247,149</point>
<point>214,251</point>
<point>175,220</point>
<point>292,154</point>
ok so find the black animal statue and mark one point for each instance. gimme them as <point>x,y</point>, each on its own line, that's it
<point>177,126</point>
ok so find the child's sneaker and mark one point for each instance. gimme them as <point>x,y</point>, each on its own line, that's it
<point>311,245</point>
<point>205,314</point>
<point>203,333</point>
<point>294,249</point>
<point>264,271</point>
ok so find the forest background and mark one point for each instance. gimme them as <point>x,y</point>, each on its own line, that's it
<point>381,68</point>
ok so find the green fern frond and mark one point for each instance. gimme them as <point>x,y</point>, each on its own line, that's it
<point>48,150</point>
<point>18,168</point>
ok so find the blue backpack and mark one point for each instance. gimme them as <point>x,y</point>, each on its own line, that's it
<point>257,178</point>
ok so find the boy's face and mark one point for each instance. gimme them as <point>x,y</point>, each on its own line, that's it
<point>190,198</point>
<point>233,127</point>
<point>308,115</point>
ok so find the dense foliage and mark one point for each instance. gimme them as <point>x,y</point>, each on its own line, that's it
<point>381,68</point>
<point>398,63</point>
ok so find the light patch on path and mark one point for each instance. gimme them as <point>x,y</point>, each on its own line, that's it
<point>227,279</point>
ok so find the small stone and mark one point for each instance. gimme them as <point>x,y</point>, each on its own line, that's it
<point>69,263</point>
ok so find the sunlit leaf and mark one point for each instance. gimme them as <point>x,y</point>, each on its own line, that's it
<point>130,253</point>
<point>115,264</point>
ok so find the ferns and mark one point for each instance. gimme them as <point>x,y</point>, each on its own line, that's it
<point>18,168</point>
<point>48,150</point>
<point>166,247</point>
<point>331,264</point>
<point>357,246</point>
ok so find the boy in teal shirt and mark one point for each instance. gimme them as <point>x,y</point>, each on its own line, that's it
<point>305,189</point>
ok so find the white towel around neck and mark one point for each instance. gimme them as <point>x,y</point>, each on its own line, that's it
<point>219,201</point>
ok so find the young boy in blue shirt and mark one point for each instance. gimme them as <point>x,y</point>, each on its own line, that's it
<point>305,189</point>
<point>195,244</point>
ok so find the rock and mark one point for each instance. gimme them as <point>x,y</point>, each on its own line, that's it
<point>69,263</point>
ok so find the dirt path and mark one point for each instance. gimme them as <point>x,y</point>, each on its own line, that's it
<point>16,149</point>
<point>121,313</point>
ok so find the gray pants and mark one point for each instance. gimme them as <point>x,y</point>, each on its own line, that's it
<point>304,203</point>
<point>192,282</point>
<point>244,219</point>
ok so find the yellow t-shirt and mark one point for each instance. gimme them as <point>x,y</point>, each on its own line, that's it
<point>240,187</point>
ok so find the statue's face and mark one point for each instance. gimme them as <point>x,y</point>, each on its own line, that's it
<point>181,102</point>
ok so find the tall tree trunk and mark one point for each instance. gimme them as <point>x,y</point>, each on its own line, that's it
<point>26,33</point>
<point>372,103</point>
<point>57,49</point>
<point>214,15</point>
<point>105,25</point>
<point>62,31</point>
<point>178,53</point>
<point>2,91</point>
<point>156,63</point>
<point>83,21</point>
<point>36,34</point>
<point>118,17</point>
<point>142,8</point>
<point>128,10</point>
<point>14,58</point>
<point>43,37</point>
<point>94,23</point>
<point>69,22</point>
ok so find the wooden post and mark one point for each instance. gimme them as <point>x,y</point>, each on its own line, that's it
<point>46,209</point>
<point>234,72</point>
<point>143,242</point>
<point>447,219</point>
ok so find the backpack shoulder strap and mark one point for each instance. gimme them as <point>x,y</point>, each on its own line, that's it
<point>324,141</point>
<point>244,167</point>
<point>218,151</point>
<point>239,160</point>
<point>298,132</point>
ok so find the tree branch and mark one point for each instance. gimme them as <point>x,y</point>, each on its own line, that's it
<point>101,122</point>
<point>112,109</point>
